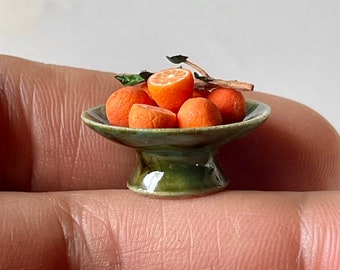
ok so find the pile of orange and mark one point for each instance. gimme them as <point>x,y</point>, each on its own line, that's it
<point>169,100</point>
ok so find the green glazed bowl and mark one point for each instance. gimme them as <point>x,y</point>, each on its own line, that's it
<point>177,162</point>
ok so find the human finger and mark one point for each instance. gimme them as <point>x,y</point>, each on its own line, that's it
<point>296,149</point>
<point>117,229</point>
<point>46,147</point>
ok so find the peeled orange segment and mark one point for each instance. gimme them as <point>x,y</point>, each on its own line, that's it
<point>171,87</point>
<point>119,103</point>
<point>147,116</point>
<point>198,112</point>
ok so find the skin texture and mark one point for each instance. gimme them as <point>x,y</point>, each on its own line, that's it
<point>64,204</point>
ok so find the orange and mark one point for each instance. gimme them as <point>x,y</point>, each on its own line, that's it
<point>231,104</point>
<point>171,87</point>
<point>198,112</point>
<point>144,86</point>
<point>118,105</point>
<point>200,93</point>
<point>202,90</point>
<point>147,116</point>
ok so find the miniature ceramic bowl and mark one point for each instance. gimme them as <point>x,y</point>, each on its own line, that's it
<point>177,162</point>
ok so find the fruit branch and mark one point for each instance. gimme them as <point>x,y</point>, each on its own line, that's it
<point>240,86</point>
<point>178,59</point>
<point>206,79</point>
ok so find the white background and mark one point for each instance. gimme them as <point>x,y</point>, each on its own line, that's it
<point>288,48</point>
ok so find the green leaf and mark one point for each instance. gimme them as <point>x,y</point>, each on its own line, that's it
<point>177,59</point>
<point>202,78</point>
<point>145,74</point>
<point>130,79</point>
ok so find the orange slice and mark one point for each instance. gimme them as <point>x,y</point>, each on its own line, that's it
<point>147,116</point>
<point>171,87</point>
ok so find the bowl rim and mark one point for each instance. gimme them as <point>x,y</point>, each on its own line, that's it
<point>263,114</point>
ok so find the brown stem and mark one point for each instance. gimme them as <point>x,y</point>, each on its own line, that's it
<point>240,86</point>
<point>198,68</point>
